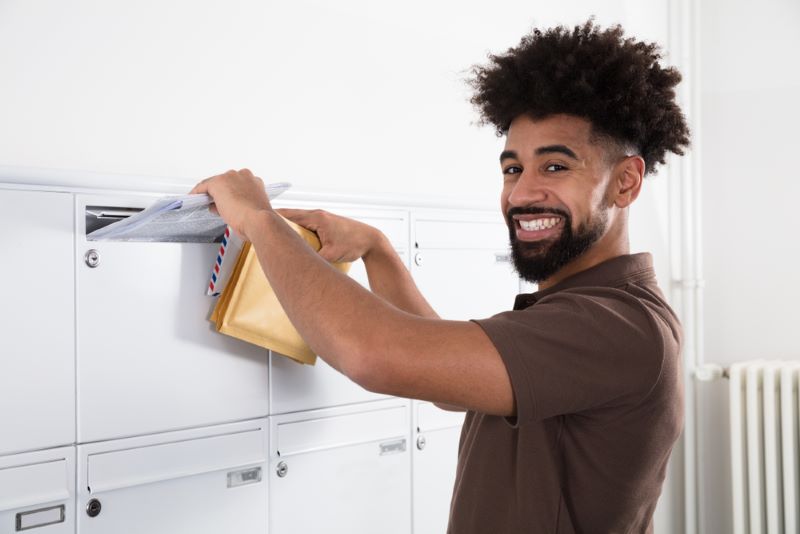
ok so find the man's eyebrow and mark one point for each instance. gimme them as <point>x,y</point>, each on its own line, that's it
<point>507,154</point>
<point>549,149</point>
<point>561,149</point>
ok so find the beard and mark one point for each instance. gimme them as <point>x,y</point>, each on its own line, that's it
<point>539,260</point>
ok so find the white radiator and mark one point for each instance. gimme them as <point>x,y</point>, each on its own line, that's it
<point>764,447</point>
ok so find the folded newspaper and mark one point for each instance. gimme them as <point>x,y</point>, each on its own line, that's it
<point>185,219</point>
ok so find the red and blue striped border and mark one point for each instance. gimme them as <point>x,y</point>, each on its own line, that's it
<point>218,263</point>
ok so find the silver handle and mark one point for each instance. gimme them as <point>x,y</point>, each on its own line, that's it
<point>40,518</point>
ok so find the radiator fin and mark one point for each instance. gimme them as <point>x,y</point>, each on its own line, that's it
<point>765,421</point>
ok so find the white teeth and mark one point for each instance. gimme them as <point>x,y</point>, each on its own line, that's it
<point>538,224</point>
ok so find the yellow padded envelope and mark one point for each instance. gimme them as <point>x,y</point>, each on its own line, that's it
<point>248,309</point>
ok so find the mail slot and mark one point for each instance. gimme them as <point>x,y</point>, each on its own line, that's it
<point>203,481</point>
<point>361,452</point>
<point>98,217</point>
<point>37,492</point>
<point>197,226</point>
<point>148,358</point>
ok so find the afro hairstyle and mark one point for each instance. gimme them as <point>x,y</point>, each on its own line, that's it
<point>615,83</point>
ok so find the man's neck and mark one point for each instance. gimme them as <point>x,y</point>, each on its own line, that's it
<point>594,256</point>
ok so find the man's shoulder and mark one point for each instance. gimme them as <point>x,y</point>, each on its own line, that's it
<point>635,314</point>
<point>632,297</point>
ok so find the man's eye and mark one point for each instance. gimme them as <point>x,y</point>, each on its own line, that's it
<point>554,167</point>
<point>512,170</point>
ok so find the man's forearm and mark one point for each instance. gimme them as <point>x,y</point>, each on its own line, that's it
<point>335,315</point>
<point>389,278</point>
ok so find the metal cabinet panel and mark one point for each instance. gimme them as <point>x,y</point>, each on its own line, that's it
<point>295,387</point>
<point>37,345</point>
<point>148,358</point>
<point>341,470</point>
<point>37,492</point>
<point>203,481</point>
<point>461,263</point>
<point>435,456</point>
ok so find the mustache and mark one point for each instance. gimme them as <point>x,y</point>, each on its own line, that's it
<point>536,210</point>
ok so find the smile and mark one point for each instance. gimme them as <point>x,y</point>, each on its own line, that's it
<point>530,228</point>
<point>539,224</point>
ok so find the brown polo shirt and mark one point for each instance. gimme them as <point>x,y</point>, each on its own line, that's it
<point>595,366</point>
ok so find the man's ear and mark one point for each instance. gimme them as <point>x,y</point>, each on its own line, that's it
<point>628,177</point>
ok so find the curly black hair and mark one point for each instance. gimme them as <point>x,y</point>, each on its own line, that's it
<point>615,83</point>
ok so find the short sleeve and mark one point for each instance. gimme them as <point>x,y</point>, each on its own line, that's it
<point>577,351</point>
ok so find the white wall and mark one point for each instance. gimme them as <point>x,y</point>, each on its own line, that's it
<point>750,82</point>
<point>354,95</point>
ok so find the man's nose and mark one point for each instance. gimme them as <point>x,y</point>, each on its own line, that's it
<point>527,190</point>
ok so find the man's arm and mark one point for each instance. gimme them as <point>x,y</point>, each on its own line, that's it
<point>378,345</point>
<point>344,239</point>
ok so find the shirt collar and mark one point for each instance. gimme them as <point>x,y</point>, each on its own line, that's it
<point>610,273</point>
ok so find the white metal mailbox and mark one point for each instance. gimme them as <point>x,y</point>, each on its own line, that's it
<point>461,263</point>
<point>148,358</point>
<point>37,347</point>
<point>295,387</point>
<point>203,481</point>
<point>341,470</point>
<point>436,435</point>
<point>37,492</point>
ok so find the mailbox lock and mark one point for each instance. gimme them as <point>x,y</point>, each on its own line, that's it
<point>418,259</point>
<point>282,469</point>
<point>421,442</point>
<point>92,258</point>
<point>93,508</point>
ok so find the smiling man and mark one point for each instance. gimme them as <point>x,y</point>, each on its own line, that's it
<point>574,397</point>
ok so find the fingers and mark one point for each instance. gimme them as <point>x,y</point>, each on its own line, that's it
<point>336,254</point>
<point>306,218</point>
<point>292,214</point>
<point>204,185</point>
<point>201,187</point>
<point>331,254</point>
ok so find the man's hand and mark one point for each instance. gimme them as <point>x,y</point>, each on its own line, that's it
<point>342,239</point>
<point>238,196</point>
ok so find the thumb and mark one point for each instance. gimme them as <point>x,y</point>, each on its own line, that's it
<point>329,254</point>
<point>298,217</point>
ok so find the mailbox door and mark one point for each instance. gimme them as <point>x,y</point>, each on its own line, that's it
<point>434,458</point>
<point>37,354</point>
<point>460,262</point>
<point>341,470</point>
<point>37,492</point>
<point>295,387</point>
<point>203,481</point>
<point>148,358</point>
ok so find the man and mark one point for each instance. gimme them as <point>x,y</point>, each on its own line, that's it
<point>574,398</point>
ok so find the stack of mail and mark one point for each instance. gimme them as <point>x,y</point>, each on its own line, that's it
<point>249,310</point>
